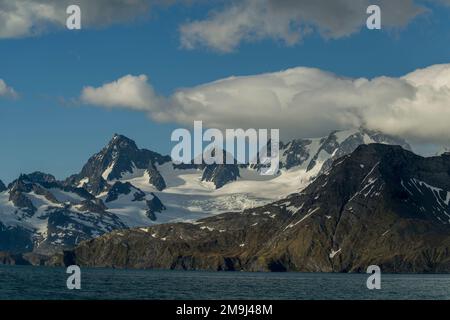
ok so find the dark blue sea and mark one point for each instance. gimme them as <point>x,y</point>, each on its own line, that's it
<point>25,282</point>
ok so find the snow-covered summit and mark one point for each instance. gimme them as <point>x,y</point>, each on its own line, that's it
<point>123,186</point>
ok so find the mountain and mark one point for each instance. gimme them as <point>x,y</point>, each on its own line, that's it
<point>123,186</point>
<point>2,186</point>
<point>380,205</point>
<point>39,213</point>
<point>120,157</point>
<point>318,154</point>
<point>216,188</point>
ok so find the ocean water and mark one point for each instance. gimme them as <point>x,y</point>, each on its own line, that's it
<point>25,282</point>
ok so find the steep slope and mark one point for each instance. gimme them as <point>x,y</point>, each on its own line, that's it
<point>380,205</point>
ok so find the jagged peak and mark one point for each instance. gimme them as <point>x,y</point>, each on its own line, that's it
<point>342,135</point>
<point>36,177</point>
<point>119,156</point>
<point>122,141</point>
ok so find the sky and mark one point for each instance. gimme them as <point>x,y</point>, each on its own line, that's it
<point>149,67</point>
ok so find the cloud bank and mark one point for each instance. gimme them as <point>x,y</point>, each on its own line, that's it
<point>7,91</point>
<point>225,27</point>
<point>301,102</point>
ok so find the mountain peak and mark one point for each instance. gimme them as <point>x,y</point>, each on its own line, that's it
<point>122,142</point>
<point>118,136</point>
<point>37,177</point>
<point>120,156</point>
<point>2,186</point>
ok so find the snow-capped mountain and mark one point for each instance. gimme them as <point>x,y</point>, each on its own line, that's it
<point>120,157</point>
<point>123,186</point>
<point>380,205</point>
<point>38,212</point>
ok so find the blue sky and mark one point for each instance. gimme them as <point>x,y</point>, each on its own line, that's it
<point>46,128</point>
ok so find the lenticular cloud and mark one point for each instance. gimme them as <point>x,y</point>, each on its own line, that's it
<point>301,102</point>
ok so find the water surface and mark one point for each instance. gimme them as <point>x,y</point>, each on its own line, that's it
<point>26,282</point>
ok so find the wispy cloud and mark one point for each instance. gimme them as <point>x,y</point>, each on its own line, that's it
<point>289,21</point>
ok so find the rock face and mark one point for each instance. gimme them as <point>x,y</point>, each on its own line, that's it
<point>380,205</point>
<point>220,174</point>
<point>2,186</point>
<point>120,188</point>
<point>153,206</point>
<point>155,178</point>
<point>134,194</point>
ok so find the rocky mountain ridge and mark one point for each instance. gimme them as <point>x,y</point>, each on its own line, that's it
<point>123,186</point>
<point>380,205</point>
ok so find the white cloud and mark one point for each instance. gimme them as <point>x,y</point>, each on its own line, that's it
<point>7,91</point>
<point>127,92</point>
<point>289,21</point>
<point>301,102</point>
